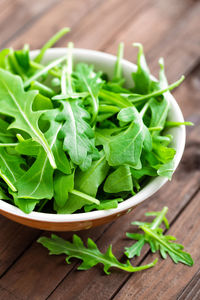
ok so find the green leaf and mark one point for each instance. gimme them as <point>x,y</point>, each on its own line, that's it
<point>26,205</point>
<point>142,76</point>
<point>167,247</point>
<point>88,81</point>
<point>3,196</point>
<point>126,147</point>
<point>3,56</point>
<point>117,77</point>
<point>10,168</point>
<point>63,184</point>
<point>76,200</point>
<point>89,181</point>
<point>118,181</point>
<point>166,170</point>
<point>6,136</point>
<point>135,249</point>
<point>89,255</point>
<point>18,104</point>
<point>76,132</point>
<point>153,235</point>
<point>23,58</point>
<point>51,42</point>
<point>145,170</point>
<point>104,205</point>
<point>37,182</point>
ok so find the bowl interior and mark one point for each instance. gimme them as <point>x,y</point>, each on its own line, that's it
<point>105,62</point>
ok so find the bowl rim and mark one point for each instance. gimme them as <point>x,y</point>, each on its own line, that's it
<point>153,186</point>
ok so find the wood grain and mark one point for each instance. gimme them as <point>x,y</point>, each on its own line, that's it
<point>167,28</point>
<point>192,290</point>
<point>16,14</point>
<point>154,284</point>
<point>65,14</point>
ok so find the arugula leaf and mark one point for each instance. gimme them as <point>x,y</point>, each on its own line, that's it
<point>10,168</point>
<point>63,184</point>
<point>76,132</point>
<point>89,181</point>
<point>76,200</point>
<point>153,235</point>
<point>141,77</point>
<point>126,147</point>
<point>88,81</point>
<point>89,255</point>
<point>18,104</point>
<point>3,58</point>
<point>22,57</point>
<point>118,181</point>
<point>26,205</point>
<point>117,77</point>
<point>37,182</point>
<point>104,205</point>
<point>6,136</point>
<point>3,196</point>
<point>50,43</point>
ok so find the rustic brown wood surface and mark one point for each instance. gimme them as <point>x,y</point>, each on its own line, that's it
<point>166,28</point>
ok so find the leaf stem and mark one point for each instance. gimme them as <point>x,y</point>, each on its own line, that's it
<point>44,70</point>
<point>9,183</point>
<point>158,220</point>
<point>85,196</point>
<point>51,42</point>
<point>111,97</point>
<point>169,124</point>
<point>156,93</point>
<point>118,66</point>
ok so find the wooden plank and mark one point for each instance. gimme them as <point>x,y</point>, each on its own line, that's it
<point>7,295</point>
<point>36,264</point>
<point>180,47</point>
<point>66,13</point>
<point>14,238</point>
<point>105,23</point>
<point>54,266</point>
<point>187,95</point>
<point>167,279</point>
<point>192,290</point>
<point>15,15</point>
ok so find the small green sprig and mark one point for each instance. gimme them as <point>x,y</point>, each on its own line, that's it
<point>89,255</point>
<point>153,235</point>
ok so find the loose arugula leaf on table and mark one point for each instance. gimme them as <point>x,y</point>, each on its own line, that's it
<point>90,255</point>
<point>153,235</point>
<point>18,104</point>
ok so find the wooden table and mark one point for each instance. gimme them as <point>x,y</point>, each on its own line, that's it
<point>166,28</point>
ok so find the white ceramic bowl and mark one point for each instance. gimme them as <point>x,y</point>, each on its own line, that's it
<point>68,222</point>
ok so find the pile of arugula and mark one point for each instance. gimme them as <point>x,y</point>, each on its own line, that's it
<point>71,139</point>
<point>91,256</point>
